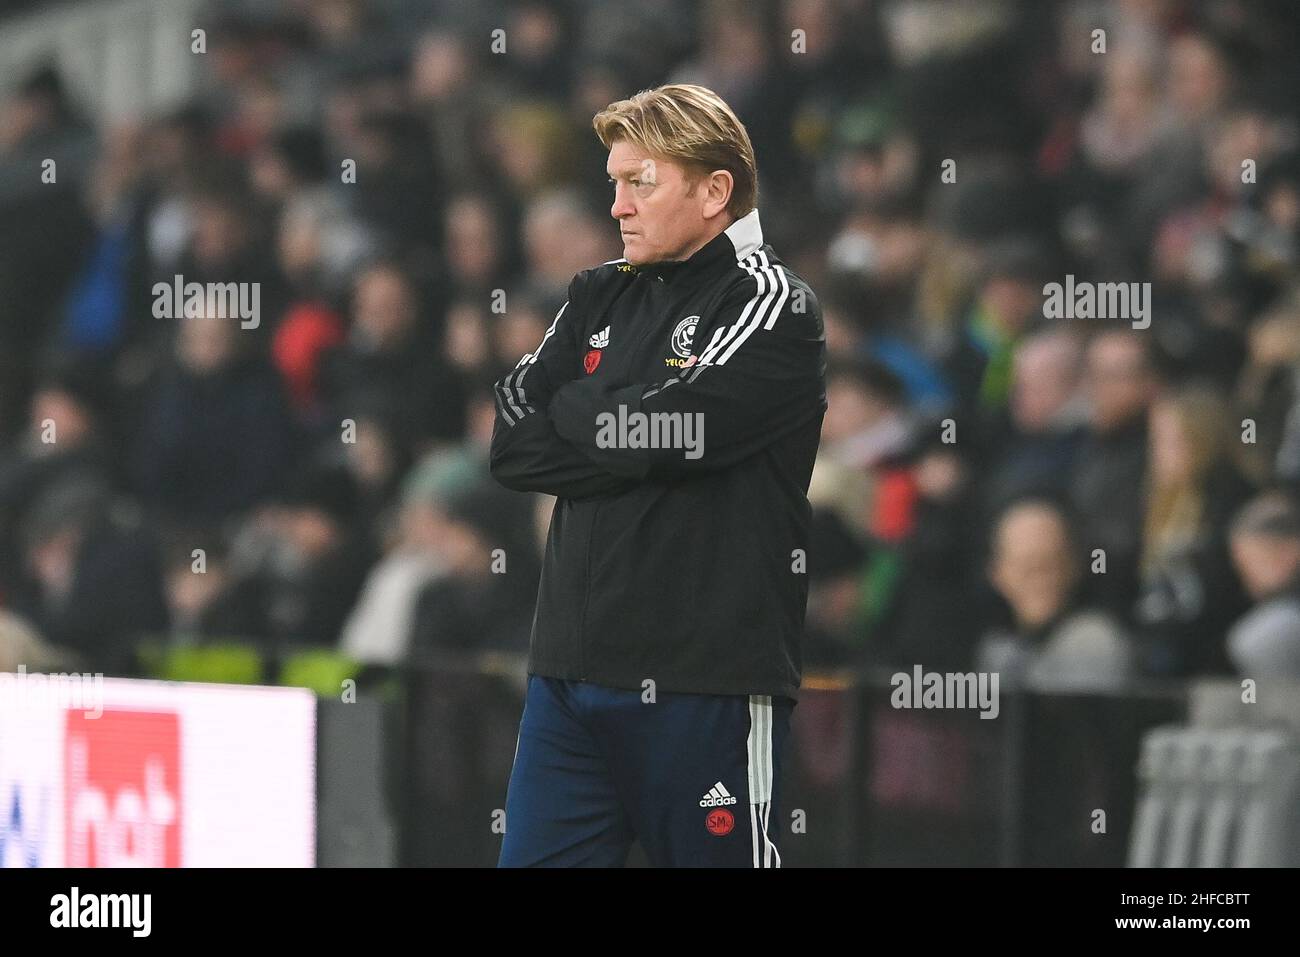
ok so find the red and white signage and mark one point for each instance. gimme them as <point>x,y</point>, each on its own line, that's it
<point>158,774</point>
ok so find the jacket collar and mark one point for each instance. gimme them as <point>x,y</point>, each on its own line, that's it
<point>739,240</point>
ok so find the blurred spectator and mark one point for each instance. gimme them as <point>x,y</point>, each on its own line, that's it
<point>46,225</point>
<point>469,340</point>
<point>1008,306</point>
<point>441,88</point>
<point>308,332</point>
<point>866,424</point>
<point>376,461</point>
<point>1200,78</point>
<point>201,601</point>
<point>1268,393</point>
<point>924,606</point>
<point>1033,447</point>
<point>392,356</point>
<point>226,240</point>
<point>518,330</point>
<point>1106,487</point>
<point>291,160</point>
<point>299,564</point>
<point>396,180</point>
<point>873,262</point>
<point>320,245</point>
<point>531,146</point>
<point>477,253</point>
<point>484,602</point>
<point>836,557</point>
<point>552,265</point>
<point>851,334</point>
<point>65,439</point>
<point>21,647</point>
<point>177,148</point>
<point>1265,643</point>
<point>216,437</point>
<point>65,435</point>
<point>1054,642</point>
<point>1128,119</point>
<point>1189,594</point>
<point>94,582</point>
<point>378,630</point>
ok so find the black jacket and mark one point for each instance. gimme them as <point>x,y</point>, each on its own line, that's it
<point>685,565</point>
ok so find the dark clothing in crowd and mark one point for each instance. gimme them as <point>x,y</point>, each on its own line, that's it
<point>291,602</point>
<point>1029,463</point>
<point>936,602</point>
<point>1188,599</point>
<point>481,615</point>
<point>115,599</point>
<point>1106,489</point>
<point>212,446</point>
<point>428,396</point>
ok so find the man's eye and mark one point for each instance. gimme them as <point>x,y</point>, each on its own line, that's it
<point>635,182</point>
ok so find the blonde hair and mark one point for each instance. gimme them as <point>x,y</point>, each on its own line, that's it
<point>1176,512</point>
<point>691,125</point>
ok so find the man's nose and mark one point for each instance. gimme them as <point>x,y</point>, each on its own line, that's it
<point>622,205</point>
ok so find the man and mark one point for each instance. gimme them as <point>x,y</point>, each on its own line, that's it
<point>1265,542</point>
<point>674,408</point>
<point>1033,448</point>
<point>1056,642</point>
<point>1120,382</point>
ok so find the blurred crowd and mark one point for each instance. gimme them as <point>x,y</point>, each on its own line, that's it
<point>1073,502</point>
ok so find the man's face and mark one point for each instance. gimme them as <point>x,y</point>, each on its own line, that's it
<point>385,311</point>
<point>1046,374</point>
<point>660,214</point>
<point>69,417</point>
<point>1031,565</point>
<point>205,346</point>
<point>849,410</point>
<point>1117,381</point>
<point>1266,563</point>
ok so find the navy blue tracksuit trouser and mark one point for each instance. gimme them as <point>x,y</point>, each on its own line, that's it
<point>692,777</point>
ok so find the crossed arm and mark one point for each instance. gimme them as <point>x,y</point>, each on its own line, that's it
<point>758,377</point>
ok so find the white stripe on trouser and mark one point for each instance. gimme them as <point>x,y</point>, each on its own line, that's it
<point>759,747</point>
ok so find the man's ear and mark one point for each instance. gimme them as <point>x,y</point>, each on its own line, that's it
<point>718,185</point>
